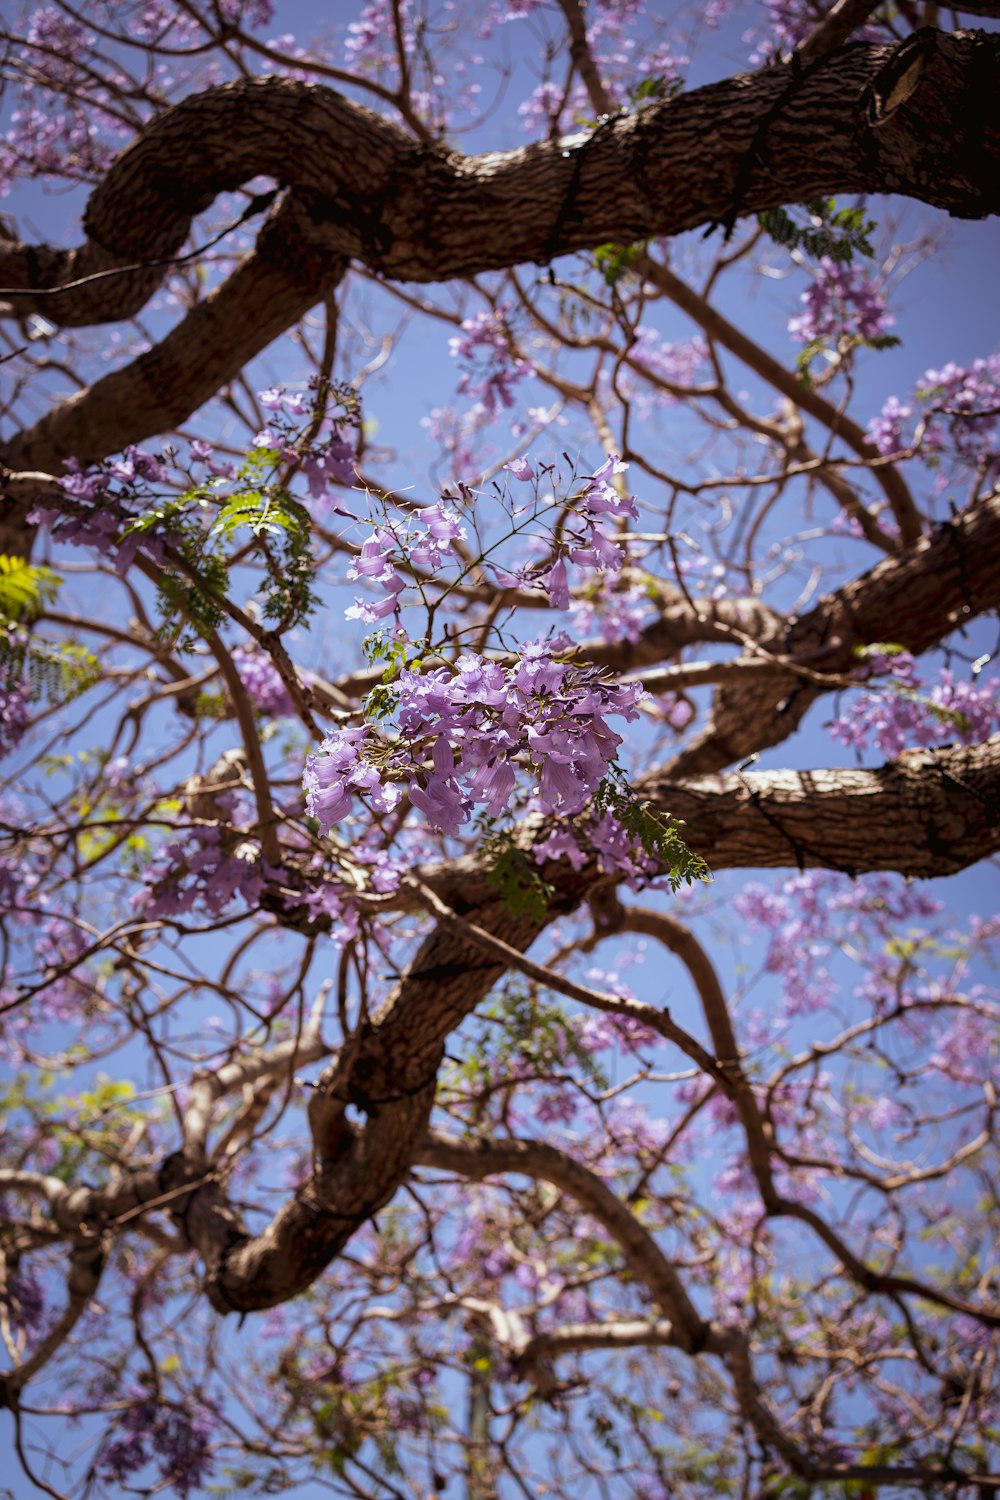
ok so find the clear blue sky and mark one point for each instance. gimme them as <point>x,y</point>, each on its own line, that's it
<point>946,311</point>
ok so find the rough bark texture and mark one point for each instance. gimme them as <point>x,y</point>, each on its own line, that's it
<point>418,213</point>
<point>914,599</point>
<point>930,813</point>
<point>360,188</point>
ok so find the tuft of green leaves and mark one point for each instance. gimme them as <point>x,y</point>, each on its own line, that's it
<point>25,589</point>
<point>382,646</point>
<point>280,526</point>
<point>513,875</point>
<point>59,671</point>
<point>655,832</point>
<point>203,529</point>
<point>879,648</point>
<point>653,90</point>
<point>614,262</point>
<point>831,232</point>
<point>50,670</point>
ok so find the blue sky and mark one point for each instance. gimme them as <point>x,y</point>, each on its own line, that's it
<point>945,311</point>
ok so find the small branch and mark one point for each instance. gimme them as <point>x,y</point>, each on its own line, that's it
<point>537,1160</point>
<point>86,1265</point>
<point>837,26</point>
<point>621,1005</point>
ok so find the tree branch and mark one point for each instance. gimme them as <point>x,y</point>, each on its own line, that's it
<point>535,1159</point>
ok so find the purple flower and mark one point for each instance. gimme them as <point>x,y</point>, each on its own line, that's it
<point>440,799</point>
<point>14,713</point>
<point>476,720</point>
<point>841,302</point>
<point>262,681</point>
<point>560,844</point>
<point>555,581</point>
<point>373,561</point>
<point>521,469</point>
<point>493,783</point>
<point>887,429</point>
<point>491,368</point>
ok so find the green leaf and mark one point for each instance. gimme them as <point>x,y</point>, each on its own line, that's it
<point>514,876</point>
<point>25,589</point>
<point>831,232</point>
<point>657,833</point>
<point>616,261</point>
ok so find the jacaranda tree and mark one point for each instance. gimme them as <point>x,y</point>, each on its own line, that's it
<point>414,532</point>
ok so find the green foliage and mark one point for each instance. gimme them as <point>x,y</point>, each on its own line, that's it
<point>59,671</point>
<point>657,834</point>
<point>53,671</point>
<point>280,526</point>
<point>82,1128</point>
<point>381,646</point>
<point>879,648</point>
<point>25,589</point>
<point>205,533</point>
<point>954,718</point>
<point>514,876</point>
<point>616,261</point>
<point>653,90</point>
<point>816,346</point>
<point>830,232</point>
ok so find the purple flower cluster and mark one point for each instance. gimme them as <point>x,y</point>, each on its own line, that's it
<point>790,23</point>
<point>808,915</point>
<point>886,430</point>
<point>370,42</point>
<point>903,715</point>
<point>158,20</point>
<point>197,869</point>
<point>23,1298</point>
<point>247,13</point>
<point>98,519</point>
<point>841,302</point>
<point>52,129</point>
<point>263,683</point>
<point>673,364</point>
<point>177,1440</point>
<point>427,543</point>
<point>965,1049</point>
<point>477,723</point>
<point>547,106</point>
<point>959,408</point>
<point>585,541</point>
<point>489,364</point>
<point>328,460</point>
<point>14,713</point>
<point>614,609</point>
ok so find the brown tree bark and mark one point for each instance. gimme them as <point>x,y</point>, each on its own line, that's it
<point>359,188</point>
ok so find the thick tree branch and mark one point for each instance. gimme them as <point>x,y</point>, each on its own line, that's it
<point>363,189</point>
<point>935,812</point>
<point>267,293</point>
<point>86,1264</point>
<point>416,213</point>
<point>915,598</point>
